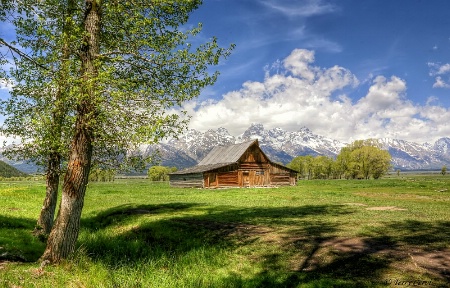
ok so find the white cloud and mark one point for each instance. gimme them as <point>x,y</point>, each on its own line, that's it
<point>327,45</point>
<point>301,94</point>
<point>431,100</point>
<point>309,8</point>
<point>439,70</point>
<point>444,69</point>
<point>440,83</point>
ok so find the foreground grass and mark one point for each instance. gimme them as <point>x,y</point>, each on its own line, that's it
<point>390,232</point>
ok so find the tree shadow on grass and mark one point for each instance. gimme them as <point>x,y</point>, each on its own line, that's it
<point>216,228</point>
<point>119,213</point>
<point>428,242</point>
<point>310,251</point>
<point>16,240</point>
<point>418,254</point>
<point>16,222</point>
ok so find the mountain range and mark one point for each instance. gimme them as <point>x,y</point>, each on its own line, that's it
<point>282,146</point>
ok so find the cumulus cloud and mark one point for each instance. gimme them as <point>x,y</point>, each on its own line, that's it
<point>438,70</point>
<point>439,83</point>
<point>302,94</point>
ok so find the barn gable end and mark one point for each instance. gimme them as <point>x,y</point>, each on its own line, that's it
<point>238,165</point>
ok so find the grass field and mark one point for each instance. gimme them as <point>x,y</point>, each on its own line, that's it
<point>389,232</point>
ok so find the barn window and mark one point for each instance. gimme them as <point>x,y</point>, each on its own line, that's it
<point>260,172</point>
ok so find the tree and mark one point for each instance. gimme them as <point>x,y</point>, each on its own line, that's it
<point>380,163</point>
<point>343,162</point>
<point>297,164</point>
<point>160,173</point>
<point>303,165</point>
<point>319,167</point>
<point>364,159</point>
<point>444,170</point>
<point>131,65</point>
<point>322,167</point>
<point>101,174</point>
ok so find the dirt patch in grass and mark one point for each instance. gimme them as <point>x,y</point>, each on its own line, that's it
<point>308,253</point>
<point>361,253</point>
<point>354,257</point>
<point>435,262</point>
<point>230,230</point>
<point>382,208</point>
<point>355,204</point>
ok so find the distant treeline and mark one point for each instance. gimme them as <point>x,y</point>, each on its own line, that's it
<point>363,159</point>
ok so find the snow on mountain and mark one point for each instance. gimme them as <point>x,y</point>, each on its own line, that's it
<point>292,144</point>
<point>196,144</point>
<point>412,156</point>
<point>170,156</point>
<point>442,146</point>
<point>282,146</point>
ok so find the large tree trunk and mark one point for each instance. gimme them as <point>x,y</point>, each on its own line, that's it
<point>63,237</point>
<point>46,218</point>
<point>64,234</point>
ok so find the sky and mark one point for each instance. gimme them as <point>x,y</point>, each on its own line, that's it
<point>345,69</point>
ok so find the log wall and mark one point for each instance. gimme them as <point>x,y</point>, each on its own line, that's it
<point>280,176</point>
<point>228,179</point>
<point>187,180</point>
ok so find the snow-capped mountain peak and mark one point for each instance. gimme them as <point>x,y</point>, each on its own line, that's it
<point>282,146</point>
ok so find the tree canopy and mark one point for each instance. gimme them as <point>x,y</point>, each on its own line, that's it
<point>103,79</point>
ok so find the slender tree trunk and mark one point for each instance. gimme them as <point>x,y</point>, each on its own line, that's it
<point>62,240</point>
<point>47,215</point>
<point>46,218</point>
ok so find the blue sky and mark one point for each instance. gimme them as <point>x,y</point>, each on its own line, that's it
<point>346,69</point>
<point>370,37</point>
<point>396,52</point>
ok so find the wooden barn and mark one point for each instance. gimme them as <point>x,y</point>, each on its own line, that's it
<point>238,165</point>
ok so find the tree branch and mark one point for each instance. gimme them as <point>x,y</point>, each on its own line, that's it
<point>21,54</point>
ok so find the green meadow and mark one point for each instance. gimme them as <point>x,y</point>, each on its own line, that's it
<point>392,232</point>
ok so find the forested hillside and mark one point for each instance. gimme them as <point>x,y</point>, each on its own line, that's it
<point>8,171</point>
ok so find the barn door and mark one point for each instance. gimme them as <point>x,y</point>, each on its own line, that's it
<point>252,178</point>
<point>245,179</point>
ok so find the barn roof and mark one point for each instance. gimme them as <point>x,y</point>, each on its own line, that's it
<point>221,156</point>
<point>218,157</point>
<point>226,154</point>
<point>200,168</point>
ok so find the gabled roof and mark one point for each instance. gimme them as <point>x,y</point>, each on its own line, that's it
<point>200,168</point>
<point>226,154</point>
<point>218,157</point>
<point>221,156</point>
